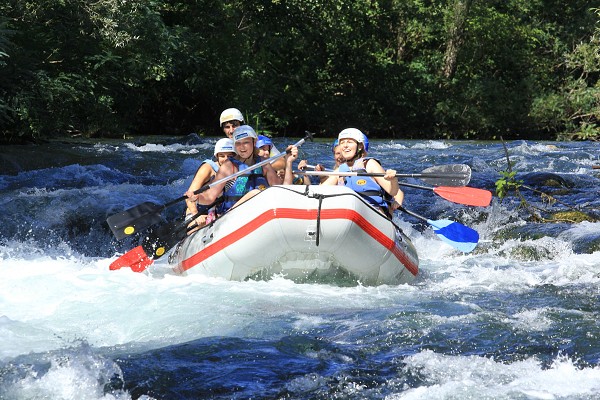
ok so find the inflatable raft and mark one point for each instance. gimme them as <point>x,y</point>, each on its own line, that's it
<point>304,233</point>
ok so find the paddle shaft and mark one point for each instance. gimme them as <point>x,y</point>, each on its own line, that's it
<point>449,175</point>
<point>422,218</point>
<point>399,183</point>
<point>247,170</point>
<point>438,175</point>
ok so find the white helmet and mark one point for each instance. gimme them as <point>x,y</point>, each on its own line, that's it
<point>352,133</point>
<point>224,145</point>
<point>231,114</point>
<point>244,131</point>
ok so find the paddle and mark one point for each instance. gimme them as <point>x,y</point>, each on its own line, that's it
<point>462,195</point>
<point>157,243</point>
<point>130,221</point>
<point>457,235</point>
<point>160,240</point>
<point>136,259</point>
<point>453,175</point>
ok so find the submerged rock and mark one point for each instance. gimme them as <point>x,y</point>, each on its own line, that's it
<point>572,216</point>
<point>586,244</point>
<point>532,231</point>
<point>529,253</point>
<point>548,179</point>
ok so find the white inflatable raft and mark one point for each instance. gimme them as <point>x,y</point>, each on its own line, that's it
<point>305,233</point>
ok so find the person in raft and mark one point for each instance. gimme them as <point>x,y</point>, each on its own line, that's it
<point>264,145</point>
<point>206,173</point>
<point>245,186</point>
<point>338,159</point>
<point>231,119</point>
<point>380,192</point>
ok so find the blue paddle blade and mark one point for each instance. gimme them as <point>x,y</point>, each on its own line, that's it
<point>456,235</point>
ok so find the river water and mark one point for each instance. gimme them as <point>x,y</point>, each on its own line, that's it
<point>518,318</point>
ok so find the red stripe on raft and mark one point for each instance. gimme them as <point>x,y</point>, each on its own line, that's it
<point>293,213</point>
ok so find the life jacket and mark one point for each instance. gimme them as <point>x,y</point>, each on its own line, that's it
<point>365,186</point>
<point>203,208</point>
<point>212,163</point>
<point>242,185</point>
<point>298,180</point>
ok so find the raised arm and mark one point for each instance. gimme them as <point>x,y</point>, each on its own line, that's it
<point>271,174</point>
<point>202,176</point>
<point>210,195</point>
<point>289,160</point>
<point>389,182</point>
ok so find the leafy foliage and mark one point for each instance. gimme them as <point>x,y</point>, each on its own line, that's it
<point>507,183</point>
<point>5,79</point>
<point>406,68</point>
<point>573,108</point>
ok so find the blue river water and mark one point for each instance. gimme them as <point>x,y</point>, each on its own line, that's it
<point>518,318</point>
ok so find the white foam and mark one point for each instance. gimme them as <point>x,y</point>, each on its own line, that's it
<point>171,148</point>
<point>432,144</point>
<point>477,377</point>
<point>47,302</point>
<point>69,374</point>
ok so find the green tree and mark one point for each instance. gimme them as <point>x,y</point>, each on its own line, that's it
<point>5,77</point>
<point>82,67</point>
<point>405,68</point>
<point>573,108</point>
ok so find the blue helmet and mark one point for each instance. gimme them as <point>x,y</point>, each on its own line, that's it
<point>366,142</point>
<point>263,141</point>
<point>336,142</point>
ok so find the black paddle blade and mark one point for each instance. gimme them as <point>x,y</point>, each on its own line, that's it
<point>453,175</point>
<point>130,221</point>
<point>309,136</point>
<point>162,239</point>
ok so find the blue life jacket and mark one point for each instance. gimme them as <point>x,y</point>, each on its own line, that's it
<point>242,185</point>
<point>212,163</point>
<point>365,186</point>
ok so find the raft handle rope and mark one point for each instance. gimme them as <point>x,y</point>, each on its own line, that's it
<point>323,196</point>
<point>320,197</point>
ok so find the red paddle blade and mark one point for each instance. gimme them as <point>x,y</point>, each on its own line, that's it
<point>465,195</point>
<point>136,259</point>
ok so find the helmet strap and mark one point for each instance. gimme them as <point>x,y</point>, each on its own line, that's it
<point>359,152</point>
